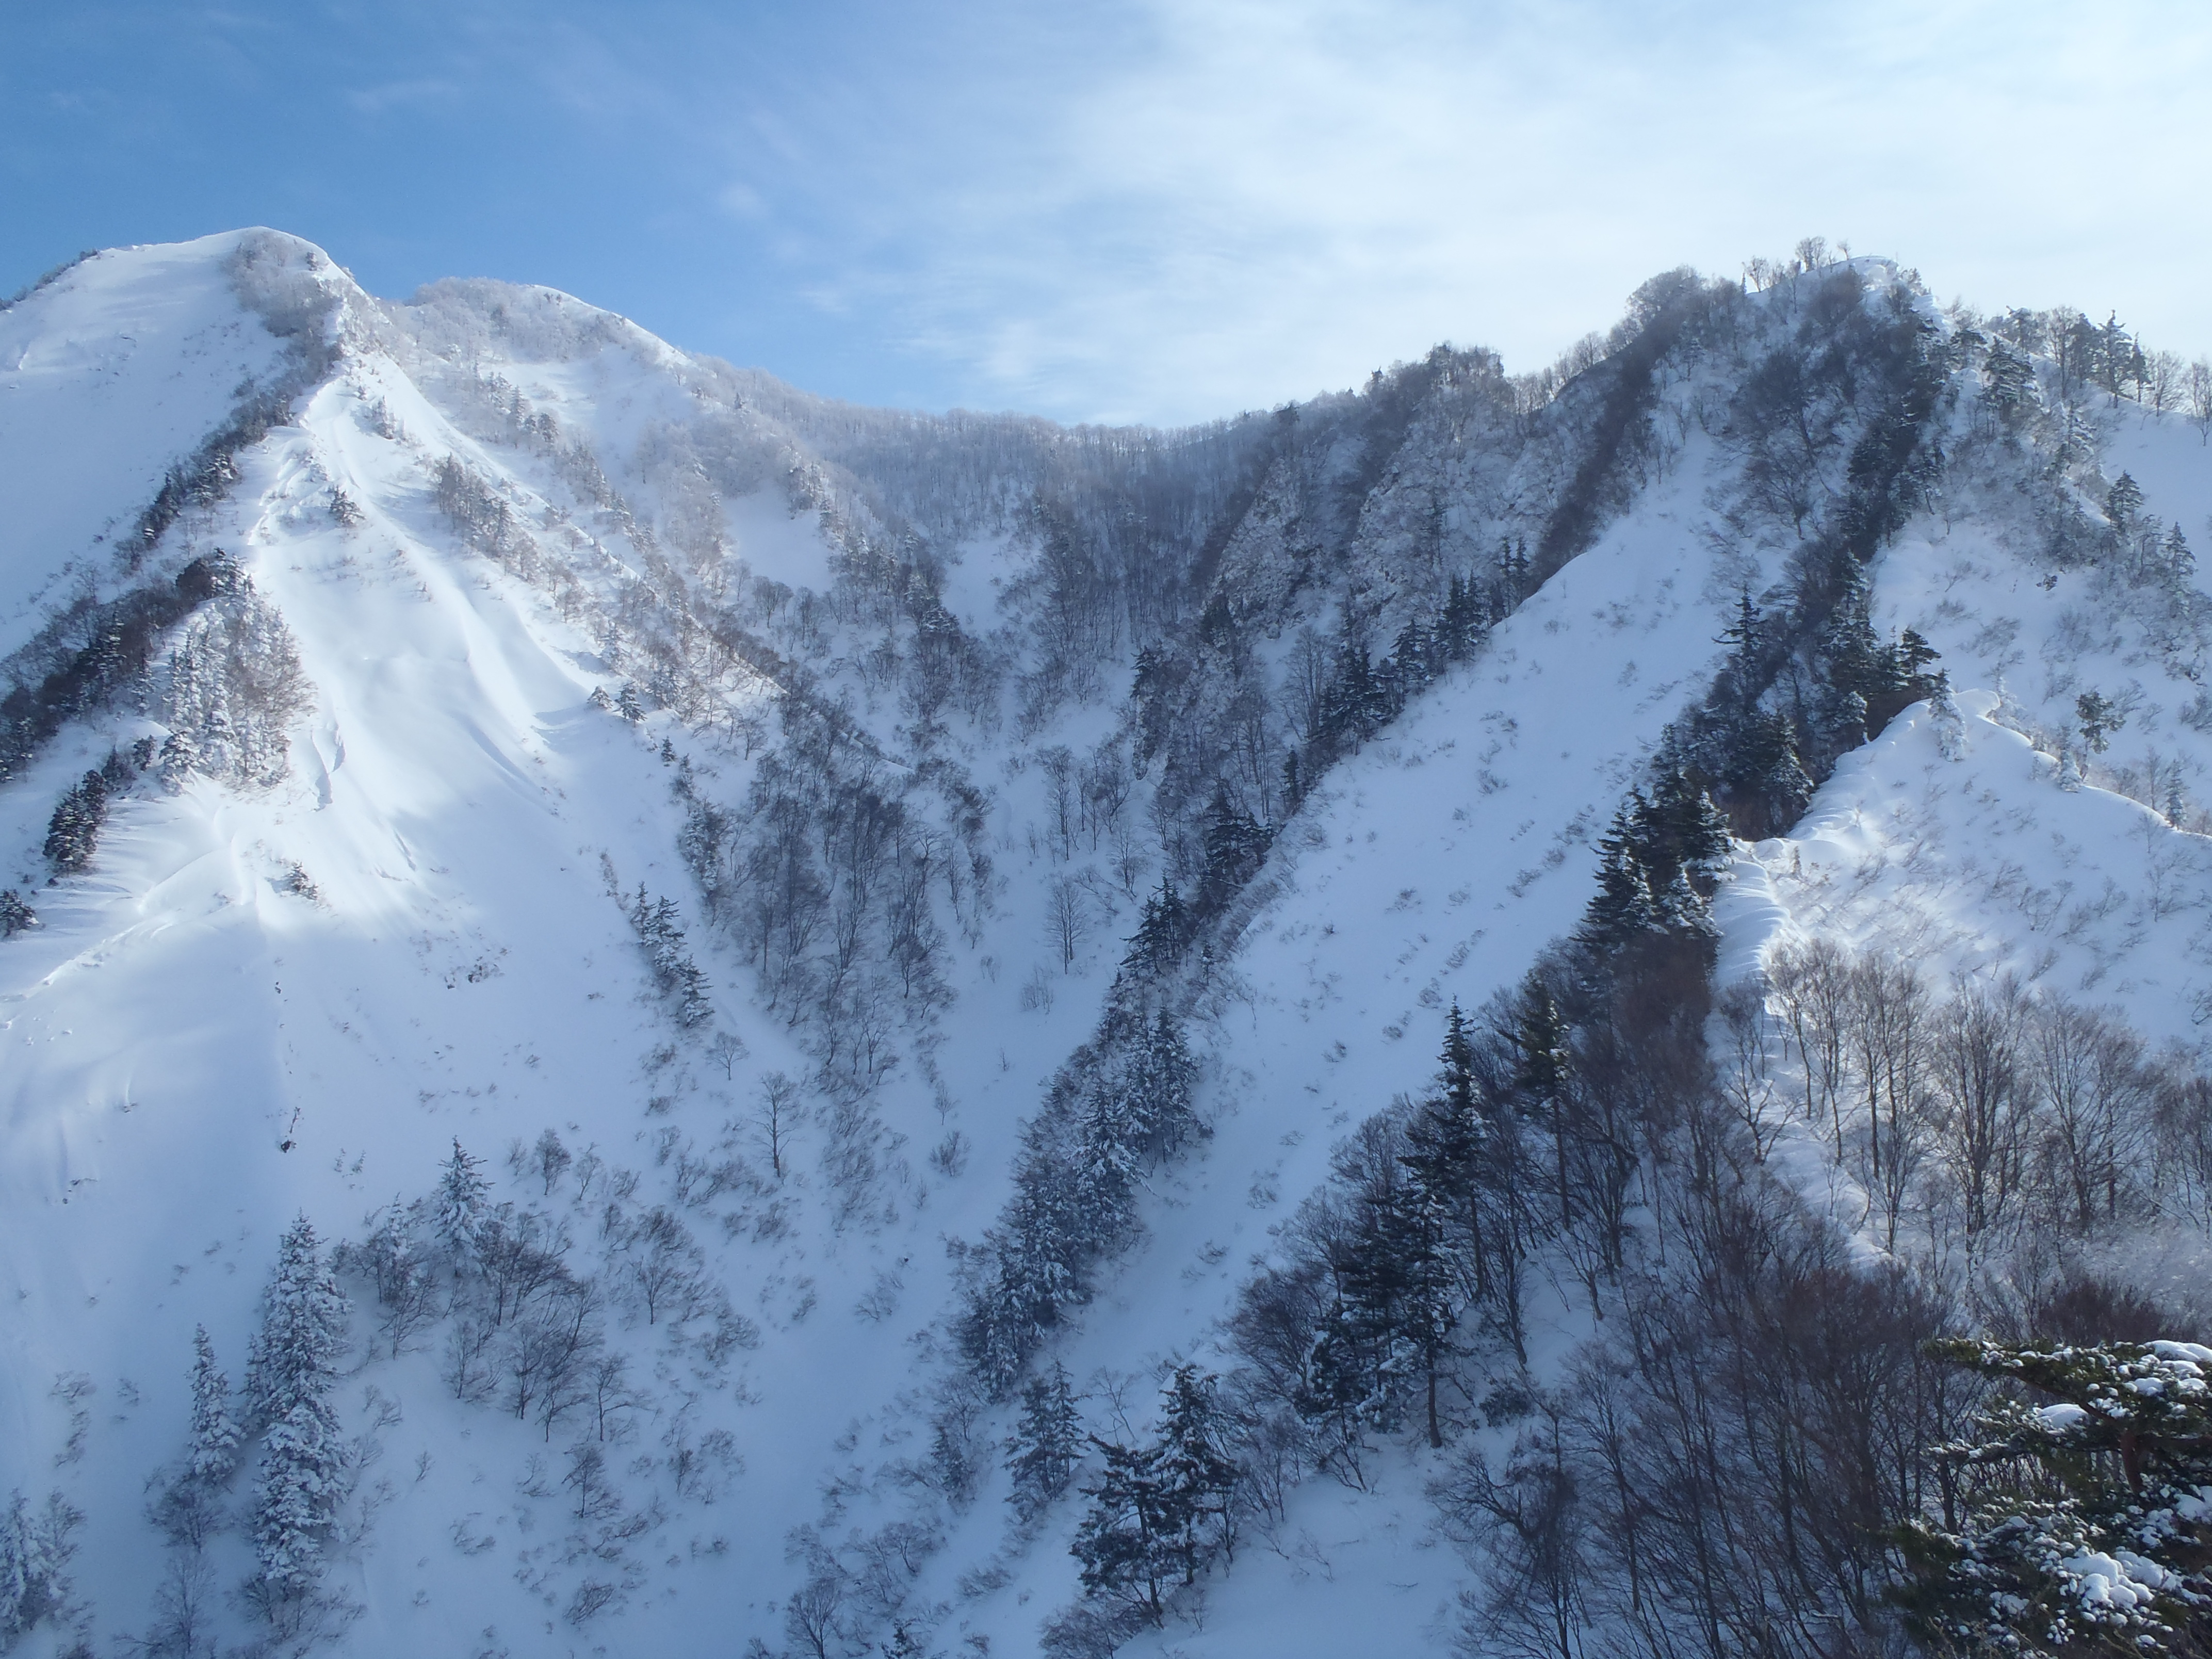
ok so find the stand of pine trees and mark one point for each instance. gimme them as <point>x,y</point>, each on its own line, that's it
<point>1160,1513</point>
<point>73,832</point>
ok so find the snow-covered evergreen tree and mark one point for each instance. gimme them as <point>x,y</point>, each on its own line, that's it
<point>1122,1544</point>
<point>1195,1474</point>
<point>35,1548</point>
<point>294,1356</point>
<point>1163,932</point>
<point>15,916</point>
<point>303,1480</point>
<point>1046,1442</point>
<point>212,1456</point>
<point>1622,907</point>
<point>1159,1080</point>
<point>1682,910</point>
<point>291,1370</point>
<point>459,1206</point>
<point>660,931</point>
<point>2086,1526</point>
<point>73,832</point>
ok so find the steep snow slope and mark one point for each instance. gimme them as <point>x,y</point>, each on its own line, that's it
<point>488,504</point>
<point>1430,868</point>
<point>205,1044</point>
<point>113,373</point>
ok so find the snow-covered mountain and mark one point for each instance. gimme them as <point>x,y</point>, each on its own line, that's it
<point>752,930</point>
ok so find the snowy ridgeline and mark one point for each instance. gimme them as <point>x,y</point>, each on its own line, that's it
<point>762,1023</point>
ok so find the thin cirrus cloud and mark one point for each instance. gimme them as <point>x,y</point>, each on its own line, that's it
<point>1130,209</point>
<point>1261,201</point>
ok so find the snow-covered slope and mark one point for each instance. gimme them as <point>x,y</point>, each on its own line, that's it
<point>525,620</point>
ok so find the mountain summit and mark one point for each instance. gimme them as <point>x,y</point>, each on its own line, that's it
<point>648,1013</point>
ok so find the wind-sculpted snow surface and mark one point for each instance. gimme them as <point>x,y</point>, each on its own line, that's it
<point>657,944</point>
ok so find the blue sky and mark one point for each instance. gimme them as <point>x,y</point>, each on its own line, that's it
<point>1140,211</point>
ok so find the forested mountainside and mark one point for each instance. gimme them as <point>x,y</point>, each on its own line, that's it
<point>1550,1014</point>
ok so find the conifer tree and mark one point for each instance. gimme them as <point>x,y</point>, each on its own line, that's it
<point>1767,767</point>
<point>212,1456</point>
<point>294,1356</point>
<point>302,1482</point>
<point>291,1370</point>
<point>35,1548</point>
<point>1109,1159</point>
<point>459,1207</point>
<point>1697,834</point>
<point>1542,1076</point>
<point>2180,562</point>
<point>1446,1143</point>
<point>16,916</point>
<point>2099,717</point>
<point>1396,1301</point>
<point>1123,1544</point>
<point>1463,622</point>
<point>2085,1527</point>
<point>1195,1474</point>
<point>1159,1083</point>
<point>1447,1147</point>
<point>1682,910</point>
<point>179,758</point>
<point>660,929</point>
<point>1162,934</point>
<point>1046,1442</point>
<point>1622,909</point>
<point>1742,635</point>
<point>1236,846</point>
<point>2009,379</point>
<point>2123,501</point>
<point>73,831</point>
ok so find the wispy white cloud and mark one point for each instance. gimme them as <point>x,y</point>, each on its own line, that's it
<point>1161,209</point>
<point>401,95</point>
<point>1247,202</point>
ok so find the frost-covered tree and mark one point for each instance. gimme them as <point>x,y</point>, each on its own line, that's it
<point>1046,1442</point>
<point>2099,717</point>
<point>1122,1543</point>
<point>1197,1476</point>
<point>188,1506</point>
<point>1235,845</point>
<point>73,831</point>
<point>2008,380</point>
<point>35,1548</point>
<point>16,916</point>
<point>1158,1082</point>
<point>293,1355</point>
<point>231,686</point>
<point>1622,909</point>
<point>459,1206</point>
<point>2084,1525</point>
<point>212,1456</point>
<point>2122,502</point>
<point>1160,1513</point>
<point>304,1477</point>
<point>2180,562</point>
<point>1163,931</point>
<point>1682,910</point>
<point>291,1370</point>
<point>659,930</point>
